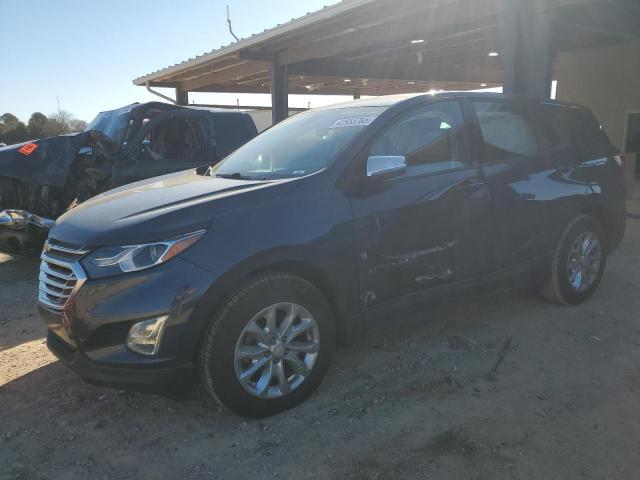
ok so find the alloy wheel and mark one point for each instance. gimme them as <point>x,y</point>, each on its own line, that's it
<point>277,350</point>
<point>584,261</point>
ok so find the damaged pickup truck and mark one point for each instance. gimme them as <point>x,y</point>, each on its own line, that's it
<point>42,179</point>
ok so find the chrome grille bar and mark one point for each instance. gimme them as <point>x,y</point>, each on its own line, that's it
<point>66,250</point>
<point>61,275</point>
<point>45,268</point>
<point>53,280</point>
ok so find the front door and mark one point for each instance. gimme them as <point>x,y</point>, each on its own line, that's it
<point>426,227</point>
<point>169,142</point>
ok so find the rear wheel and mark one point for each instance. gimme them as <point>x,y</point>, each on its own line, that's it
<point>577,263</point>
<point>269,346</point>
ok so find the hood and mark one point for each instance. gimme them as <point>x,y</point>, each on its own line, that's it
<point>46,161</point>
<point>153,209</point>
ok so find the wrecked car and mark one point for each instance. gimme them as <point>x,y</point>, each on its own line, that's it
<point>42,179</point>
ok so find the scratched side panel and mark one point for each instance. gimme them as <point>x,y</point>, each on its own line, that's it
<point>419,232</point>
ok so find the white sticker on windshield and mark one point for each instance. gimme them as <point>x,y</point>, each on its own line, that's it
<point>353,122</point>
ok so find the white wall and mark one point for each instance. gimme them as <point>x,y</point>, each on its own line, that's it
<point>606,79</point>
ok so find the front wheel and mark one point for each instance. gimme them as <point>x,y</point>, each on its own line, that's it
<point>577,263</point>
<point>269,346</point>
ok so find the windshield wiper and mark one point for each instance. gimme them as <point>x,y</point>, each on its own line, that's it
<point>234,176</point>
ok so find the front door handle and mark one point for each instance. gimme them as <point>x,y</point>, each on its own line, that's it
<point>473,182</point>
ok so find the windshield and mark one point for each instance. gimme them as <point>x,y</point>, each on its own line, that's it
<point>301,145</point>
<point>113,123</point>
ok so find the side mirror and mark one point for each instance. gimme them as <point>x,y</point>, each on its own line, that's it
<point>386,165</point>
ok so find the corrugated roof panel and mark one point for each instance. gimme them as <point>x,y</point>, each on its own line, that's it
<point>268,34</point>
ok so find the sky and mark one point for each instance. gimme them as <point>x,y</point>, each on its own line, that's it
<point>85,53</point>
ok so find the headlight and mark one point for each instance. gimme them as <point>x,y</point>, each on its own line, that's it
<point>109,261</point>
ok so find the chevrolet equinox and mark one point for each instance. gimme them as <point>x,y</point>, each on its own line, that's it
<point>249,272</point>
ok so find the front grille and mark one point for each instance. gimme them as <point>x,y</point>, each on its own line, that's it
<point>60,275</point>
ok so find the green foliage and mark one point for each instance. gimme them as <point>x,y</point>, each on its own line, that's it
<point>12,130</point>
<point>37,124</point>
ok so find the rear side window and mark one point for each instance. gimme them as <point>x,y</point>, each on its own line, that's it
<point>557,127</point>
<point>507,131</point>
<point>231,131</point>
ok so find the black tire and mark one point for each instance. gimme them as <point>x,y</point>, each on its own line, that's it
<point>223,332</point>
<point>557,288</point>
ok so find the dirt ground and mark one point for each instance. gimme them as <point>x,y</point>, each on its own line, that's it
<point>415,399</point>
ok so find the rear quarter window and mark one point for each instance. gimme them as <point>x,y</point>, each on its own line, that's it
<point>232,131</point>
<point>590,138</point>
<point>576,127</point>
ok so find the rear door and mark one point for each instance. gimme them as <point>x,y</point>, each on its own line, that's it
<point>532,175</point>
<point>426,227</point>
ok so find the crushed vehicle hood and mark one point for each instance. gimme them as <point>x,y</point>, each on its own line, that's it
<point>153,209</point>
<point>46,161</point>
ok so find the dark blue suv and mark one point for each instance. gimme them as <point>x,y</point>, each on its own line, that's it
<point>251,271</point>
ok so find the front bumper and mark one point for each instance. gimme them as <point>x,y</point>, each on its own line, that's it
<point>89,334</point>
<point>147,378</point>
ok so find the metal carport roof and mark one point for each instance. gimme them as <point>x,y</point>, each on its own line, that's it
<point>381,46</point>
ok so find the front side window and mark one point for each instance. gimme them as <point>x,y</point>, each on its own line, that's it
<point>430,138</point>
<point>507,132</point>
<point>301,145</point>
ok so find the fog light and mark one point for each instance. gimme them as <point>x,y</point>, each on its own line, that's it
<point>144,337</point>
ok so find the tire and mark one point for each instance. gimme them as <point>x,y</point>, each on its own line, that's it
<point>558,287</point>
<point>241,326</point>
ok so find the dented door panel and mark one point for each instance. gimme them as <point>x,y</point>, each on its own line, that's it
<point>416,233</point>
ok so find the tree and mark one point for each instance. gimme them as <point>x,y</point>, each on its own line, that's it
<point>58,123</point>
<point>37,125</point>
<point>77,125</point>
<point>12,130</point>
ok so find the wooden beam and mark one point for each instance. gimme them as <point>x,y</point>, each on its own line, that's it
<point>398,70</point>
<point>231,74</point>
<point>182,97</point>
<point>217,66</point>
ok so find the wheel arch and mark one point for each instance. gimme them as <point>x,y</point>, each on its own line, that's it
<point>599,212</point>
<point>349,324</point>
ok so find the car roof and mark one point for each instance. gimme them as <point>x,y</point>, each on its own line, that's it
<point>390,100</point>
<point>216,110</point>
<point>169,106</point>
